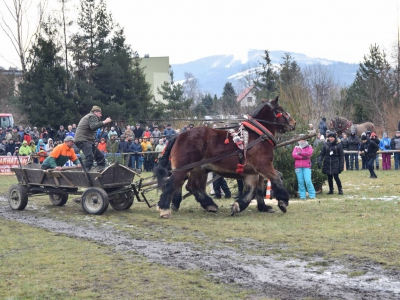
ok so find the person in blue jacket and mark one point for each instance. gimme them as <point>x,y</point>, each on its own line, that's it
<point>384,145</point>
<point>134,148</point>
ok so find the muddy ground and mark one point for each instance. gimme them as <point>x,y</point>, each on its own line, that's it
<point>269,276</point>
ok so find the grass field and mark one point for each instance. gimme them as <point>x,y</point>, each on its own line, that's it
<point>362,224</point>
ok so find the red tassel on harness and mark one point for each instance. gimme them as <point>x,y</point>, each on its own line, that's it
<point>226,141</point>
<point>240,168</point>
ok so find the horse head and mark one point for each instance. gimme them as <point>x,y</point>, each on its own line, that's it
<point>339,124</point>
<point>274,117</point>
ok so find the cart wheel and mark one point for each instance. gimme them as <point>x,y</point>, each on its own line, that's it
<point>95,201</point>
<point>58,199</point>
<point>18,197</point>
<point>122,201</point>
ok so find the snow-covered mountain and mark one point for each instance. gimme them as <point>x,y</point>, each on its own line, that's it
<point>213,72</point>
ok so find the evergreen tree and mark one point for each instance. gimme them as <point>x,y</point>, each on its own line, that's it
<point>207,103</point>
<point>173,96</point>
<point>228,100</point>
<point>44,97</point>
<point>267,83</point>
<point>372,86</point>
<point>290,72</point>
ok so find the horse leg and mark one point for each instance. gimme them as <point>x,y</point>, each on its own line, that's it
<point>197,186</point>
<point>281,194</point>
<point>261,206</point>
<point>176,199</point>
<point>251,182</point>
<point>171,185</point>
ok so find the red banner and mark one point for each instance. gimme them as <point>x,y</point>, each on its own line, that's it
<point>8,162</point>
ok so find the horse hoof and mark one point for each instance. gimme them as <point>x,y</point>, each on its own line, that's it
<point>212,208</point>
<point>164,213</point>
<point>282,206</point>
<point>174,208</point>
<point>235,208</point>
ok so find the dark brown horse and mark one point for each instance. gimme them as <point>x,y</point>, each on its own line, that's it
<point>203,149</point>
<point>340,125</point>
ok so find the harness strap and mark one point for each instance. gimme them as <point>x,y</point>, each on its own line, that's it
<point>260,129</point>
<point>216,158</point>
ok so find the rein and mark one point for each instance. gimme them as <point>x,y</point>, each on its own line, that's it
<point>221,157</point>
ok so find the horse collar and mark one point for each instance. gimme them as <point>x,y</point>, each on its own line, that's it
<point>260,129</point>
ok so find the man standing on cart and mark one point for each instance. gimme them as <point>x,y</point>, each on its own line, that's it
<point>60,155</point>
<point>85,137</point>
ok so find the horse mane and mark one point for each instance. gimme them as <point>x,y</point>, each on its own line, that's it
<point>264,102</point>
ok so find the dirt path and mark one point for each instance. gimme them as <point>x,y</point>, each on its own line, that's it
<point>291,279</point>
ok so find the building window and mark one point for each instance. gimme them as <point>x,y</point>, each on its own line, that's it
<point>249,99</point>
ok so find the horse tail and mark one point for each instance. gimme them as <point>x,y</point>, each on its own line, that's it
<point>163,168</point>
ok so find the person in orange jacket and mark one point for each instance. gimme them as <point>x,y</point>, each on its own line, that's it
<point>102,146</point>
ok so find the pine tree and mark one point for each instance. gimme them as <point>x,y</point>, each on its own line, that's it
<point>44,97</point>
<point>228,100</point>
<point>173,95</point>
<point>372,87</point>
<point>267,83</point>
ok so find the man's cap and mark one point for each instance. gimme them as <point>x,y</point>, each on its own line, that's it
<point>332,134</point>
<point>96,108</point>
<point>168,125</point>
<point>68,138</point>
<point>25,142</point>
<point>155,126</point>
<point>373,134</point>
<point>364,137</point>
<point>191,125</point>
<point>137,124</point>
<point>368,132</point>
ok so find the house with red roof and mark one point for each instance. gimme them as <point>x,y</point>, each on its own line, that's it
<point>247,97</point>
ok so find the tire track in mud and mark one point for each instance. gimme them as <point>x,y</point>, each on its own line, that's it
<point>289,279</point>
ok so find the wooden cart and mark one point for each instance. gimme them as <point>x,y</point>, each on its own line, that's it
<point>113,185</point>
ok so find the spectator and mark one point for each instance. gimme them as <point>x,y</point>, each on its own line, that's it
<point>44,135</point>
<point>8,135</point>
<point>61,134</point>
<point>302,163</point>
<point>153,125</point>
<point>332,158</point>
<point>138,132</point>
<point>185,127</point>
<point>70,132</point>
<point>16,136</point>
<point>40,144</point>
<point>146,133</point>
<point>345,144</point>
<point>25,150</point>
<point>156,134</point>
<point>123,145</point>
<point>3,147</point>
<point>354,145</point>
<point>369,148</point>
<point>102,146</point>
<point>377,141</point>
<point>74,128</point>
<point>42,154</point>
<point>35,135</point>
<point>384,146</point>
<point>395,145</point>
<point>145,143</point>
<point>27,135</point>
<point>317,140</point>
<point>134,148</point>
<point>112,132</point>
<point>21,133</point>
<point>117,129</point>
<point>103,134</point>
<point>129,133</point>
<point>50,133</point>
<point>2,134</point>
<point>169,132</point>
<point>149,159</point>
<point>220,184</point>
<point>10,148</point>
<point>50,146</point>
<point>322,126</point>
<point>160,148</point>
<point>363,159</point>
<point>33,146</point>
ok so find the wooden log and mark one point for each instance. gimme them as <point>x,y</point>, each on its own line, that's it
<point>292,141</point>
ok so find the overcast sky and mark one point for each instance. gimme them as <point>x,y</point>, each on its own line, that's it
<point>341,30</point>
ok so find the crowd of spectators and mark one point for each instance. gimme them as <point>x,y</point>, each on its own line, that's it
<point>143,143</point>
